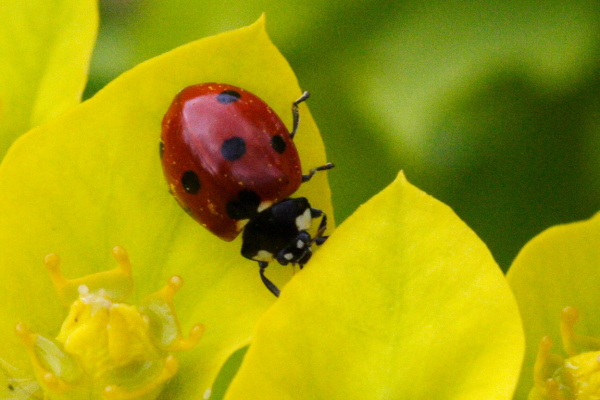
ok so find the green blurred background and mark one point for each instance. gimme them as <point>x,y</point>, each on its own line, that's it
<point>492,107</point>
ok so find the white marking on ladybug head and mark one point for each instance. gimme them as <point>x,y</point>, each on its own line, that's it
<point>304,220</point>
<point>299,244</point>
<point>263,255</point>
<point>288,256</point>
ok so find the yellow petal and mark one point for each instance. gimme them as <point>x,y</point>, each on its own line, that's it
<point>403,302</point>
<point>560,267</point>
<point>45,48</point>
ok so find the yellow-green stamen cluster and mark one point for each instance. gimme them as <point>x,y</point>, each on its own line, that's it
<point>574,378</point>
<point>107,349</point>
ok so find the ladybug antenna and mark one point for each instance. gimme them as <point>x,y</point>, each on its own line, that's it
<point>296,113</point>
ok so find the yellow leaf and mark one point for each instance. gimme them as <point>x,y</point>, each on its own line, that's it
<point>45,46</point>
<point>403,301</point>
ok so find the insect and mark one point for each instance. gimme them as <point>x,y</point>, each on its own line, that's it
<point>231,164</point>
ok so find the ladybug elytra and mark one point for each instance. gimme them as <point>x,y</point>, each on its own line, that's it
<point>232,164</point>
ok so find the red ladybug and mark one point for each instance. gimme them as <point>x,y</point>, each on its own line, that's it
<point>232,164</point>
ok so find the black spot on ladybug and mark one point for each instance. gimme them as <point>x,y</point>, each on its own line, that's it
<point>232,149</point>
<point>278,144</point>
<point>228,96</point>
<point>190,182</point>
<point>161,149</point>
<point>245,206</point>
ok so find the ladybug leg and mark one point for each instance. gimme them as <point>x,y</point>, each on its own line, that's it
<point>307,177</point>
<point>319,239</point>
<point>296,113</point>
<point>270,285</point>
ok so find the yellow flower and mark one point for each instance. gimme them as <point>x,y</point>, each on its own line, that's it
<point>94,181</point>
<point>107,349</point>
<point>402,301</point>
<point>560,268</point>
<point>574,378</point>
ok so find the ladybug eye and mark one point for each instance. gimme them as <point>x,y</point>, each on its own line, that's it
<point>190,182</point>
<point>278,144</point>
<point>228,96</point>
<point>232,149</point>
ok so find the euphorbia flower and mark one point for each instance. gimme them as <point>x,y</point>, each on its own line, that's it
<point>94,181</point>
<point>402,301</point>
<point>555,279</point>
<point>107,349</point>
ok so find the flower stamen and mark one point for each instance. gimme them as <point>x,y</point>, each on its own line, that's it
<point>117,283</point>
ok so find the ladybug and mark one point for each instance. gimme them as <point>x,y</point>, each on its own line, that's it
<point>232,165</point>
